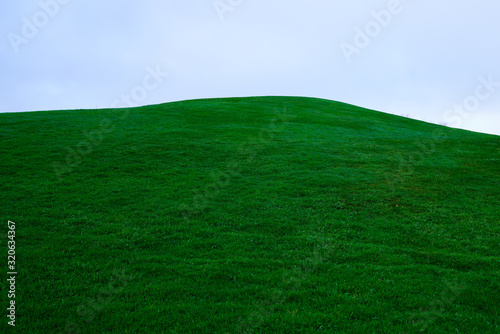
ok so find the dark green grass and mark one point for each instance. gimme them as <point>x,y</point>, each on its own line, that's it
<point>264,215</point>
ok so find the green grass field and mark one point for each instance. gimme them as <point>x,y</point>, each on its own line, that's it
<point>249,215</point>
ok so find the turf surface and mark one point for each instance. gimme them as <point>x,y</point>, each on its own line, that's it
<point>249,215</point>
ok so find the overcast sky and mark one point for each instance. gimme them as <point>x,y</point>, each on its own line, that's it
<point>437,61</point>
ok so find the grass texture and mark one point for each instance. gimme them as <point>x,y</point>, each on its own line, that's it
<point>249,215</point>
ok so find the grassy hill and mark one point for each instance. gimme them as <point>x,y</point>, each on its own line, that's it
<point>249,215</point>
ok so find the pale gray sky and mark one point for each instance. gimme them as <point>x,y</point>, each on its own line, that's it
<point>434,60</point>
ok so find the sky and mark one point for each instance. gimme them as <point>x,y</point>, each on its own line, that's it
<point>436,61</point>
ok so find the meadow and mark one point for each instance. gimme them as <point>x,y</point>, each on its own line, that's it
<point>249,215</point>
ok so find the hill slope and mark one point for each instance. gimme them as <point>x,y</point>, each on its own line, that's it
<point>265,215</point>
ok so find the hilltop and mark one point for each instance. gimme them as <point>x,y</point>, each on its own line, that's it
<point>259,214</point>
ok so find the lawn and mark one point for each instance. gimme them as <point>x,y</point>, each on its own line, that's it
<point>249,215</point>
